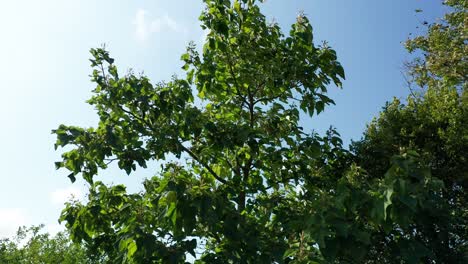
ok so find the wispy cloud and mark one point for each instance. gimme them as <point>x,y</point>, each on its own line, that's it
<point>10,220</point>
<point>144,27</point>
<point>53,229</point>
<point>60,196</point>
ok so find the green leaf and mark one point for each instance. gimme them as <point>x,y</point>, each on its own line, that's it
<point>172,212</point>
<point>387,201</point>
<point>131,249</point>
<point>72,177</point>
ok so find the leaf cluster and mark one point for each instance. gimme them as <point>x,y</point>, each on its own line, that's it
<point>241,181</point>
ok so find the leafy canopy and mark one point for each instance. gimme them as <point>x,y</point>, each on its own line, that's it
<point>433,122</point>
<point>241,180</point>
<point>441,52</point>
<point>31,246</point>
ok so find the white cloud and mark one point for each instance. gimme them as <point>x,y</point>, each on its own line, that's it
<point>141,29</point>
<point>144,27</point>
<point>60,196</point>
<point>165,21</point>
<point>53,229</point>
<point>10,220</point>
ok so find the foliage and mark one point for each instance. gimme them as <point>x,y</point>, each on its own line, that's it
<point>441,52</point>
<point>435,124</point>
<point>32,246</point>
<point>241,181</point>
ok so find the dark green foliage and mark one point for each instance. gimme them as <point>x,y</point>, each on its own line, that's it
<point>246,184</point>
<point>436,126</point>
<point>433,122</point>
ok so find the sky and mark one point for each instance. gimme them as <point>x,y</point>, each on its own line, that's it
<point>44,76</point>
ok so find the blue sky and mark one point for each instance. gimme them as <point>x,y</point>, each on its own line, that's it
<point>44,75</point>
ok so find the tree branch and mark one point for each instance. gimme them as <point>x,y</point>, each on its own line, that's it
<point>195,157</point>
<point>188,151</point>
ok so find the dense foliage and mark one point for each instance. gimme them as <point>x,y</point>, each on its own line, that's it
<point>436,126</point>
<point>32,246</point>
<point>433,122</point>
<point>241,181</point>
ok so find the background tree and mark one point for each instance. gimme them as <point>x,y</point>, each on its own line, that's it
<point>440,53</point>
<point>32,246</point>
<point>433,122</point>
<point>241,180</point>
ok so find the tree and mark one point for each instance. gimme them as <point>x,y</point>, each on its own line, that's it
<point>31,246</point>
<point>434,123</point>
<point>441,52</point>
<point>241,180</point>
